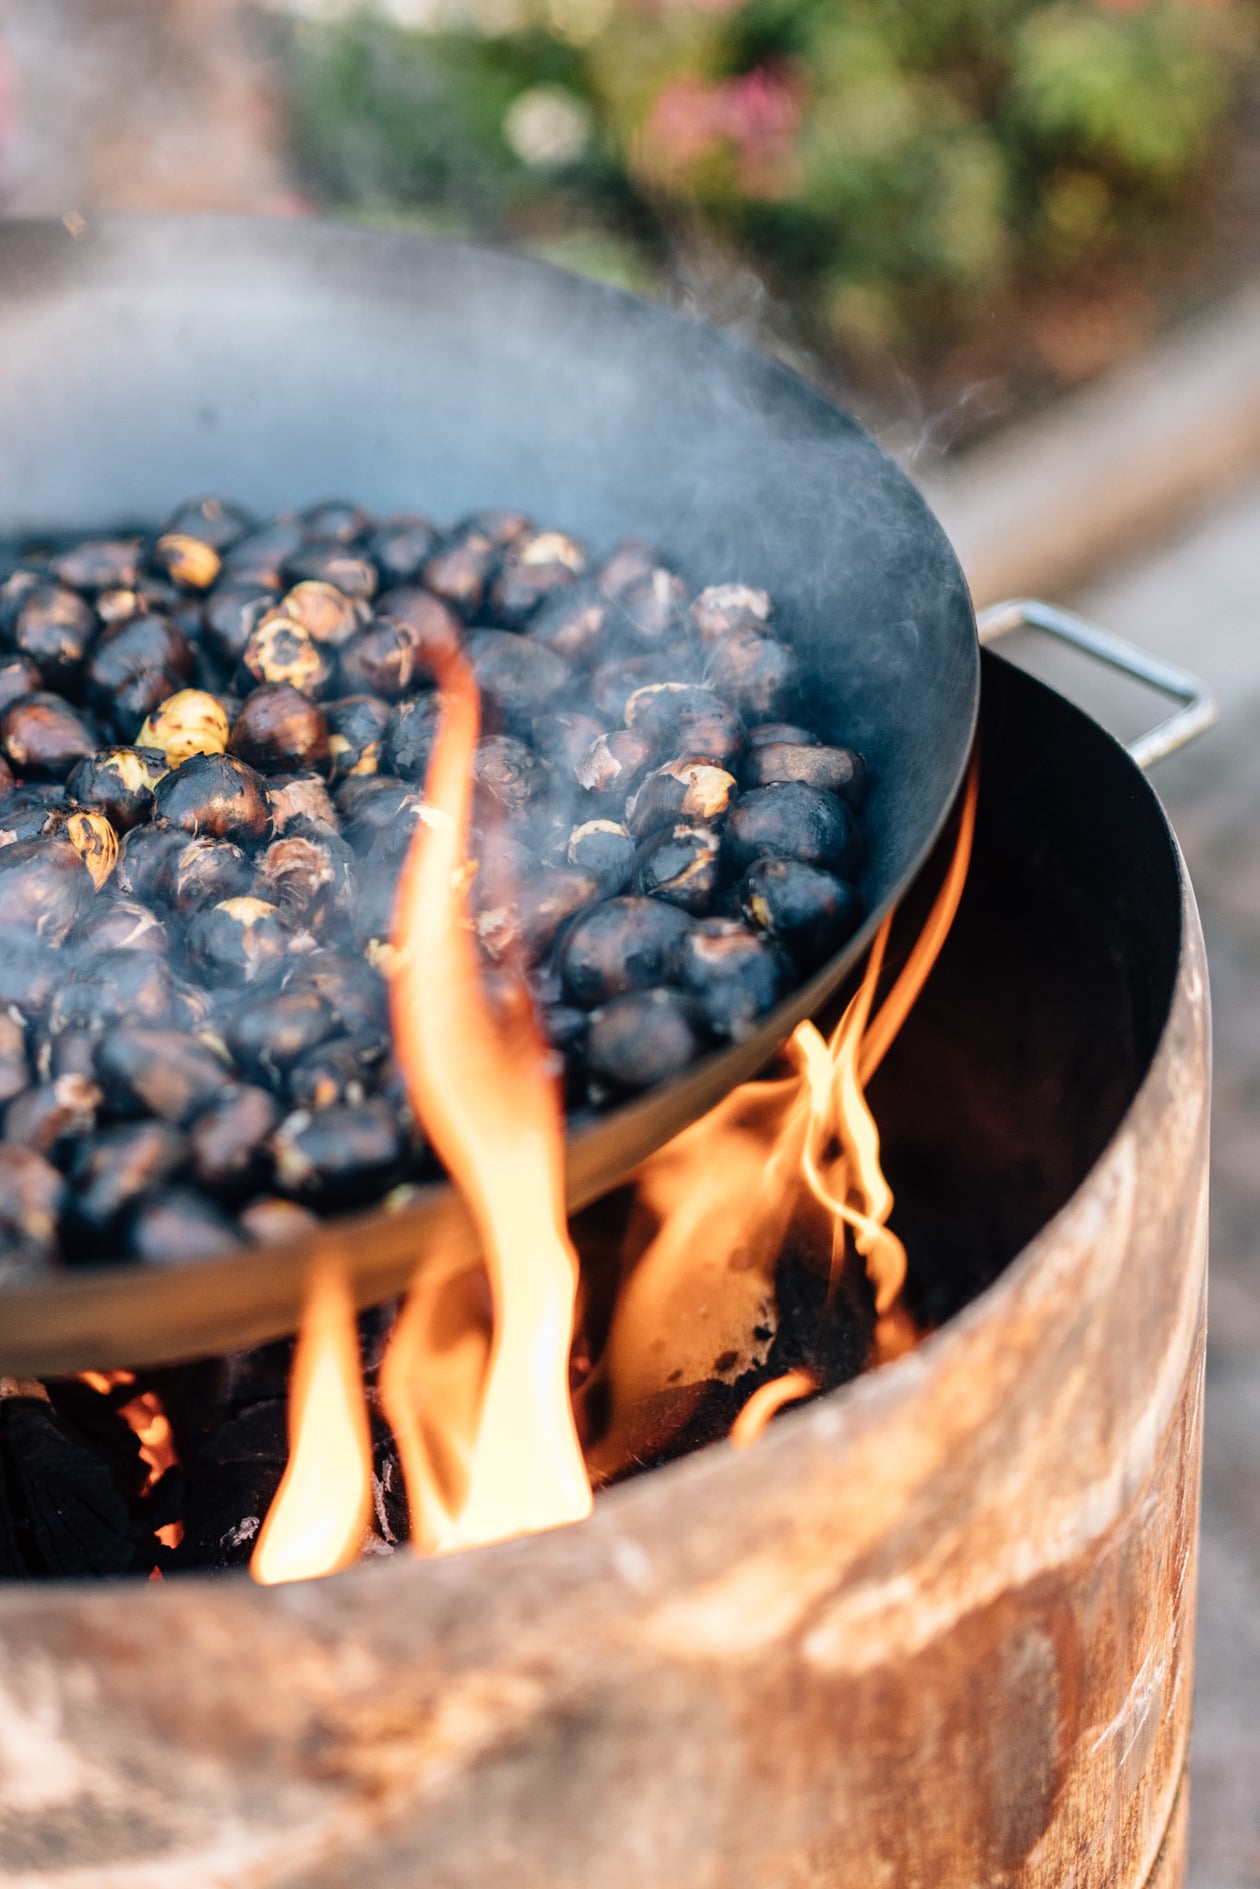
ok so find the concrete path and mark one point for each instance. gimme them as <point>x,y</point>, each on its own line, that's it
<point>1196,600</point>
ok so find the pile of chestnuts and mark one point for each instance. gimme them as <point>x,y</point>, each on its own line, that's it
<point>213,744</point>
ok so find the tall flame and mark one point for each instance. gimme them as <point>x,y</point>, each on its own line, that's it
<point>483,1084</point>
<point>319,1519</point>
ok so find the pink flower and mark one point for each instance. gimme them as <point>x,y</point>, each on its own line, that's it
<point>754,117</point>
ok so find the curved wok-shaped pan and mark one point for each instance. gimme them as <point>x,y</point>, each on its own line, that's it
<point>143,360</point>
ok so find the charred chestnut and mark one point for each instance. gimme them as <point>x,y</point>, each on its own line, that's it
<point>53,629</point>
<point>44,888</point>
<point>17,677</point>
<point>573,623</point>
<point>605,849</point>
<point>309,877</point>
<point>681,864</point>
<point>334,521</point>
<point>641,1040</point>
<point>792,821</point>
<point>527,924</point>
<point>632,559</point>
<point>15,1069</point>
<point>302,800</point>
<point>613,683</point>
<point>43,737</point>
<point>98,564</point>
<point>118,925</point>
<point>229,1139</point>
<point>109,1172</point>
<point>119,783</point>
<point>238,941</point>
<point>31,1192</point>
<point>280,650</point>
<point>114,985</point>
<point>158,1072</point>
<point>409,736</point>
<point>333,567</point>
<point>624,944</point>
<point>833,770</point>
<point>726,607</point>
<point>517,679</point>
<point>654,606</point>
<point>92,837</point>
<point>565,738</point>
<point>215,794</point>
<point>680,718</point>
<point>259,557</point>
<point>178,1226</point>
<point>339,1156</point>
<point>401,546</point>
<point>380,808</point>
<point>539,565</point>
<point>809,911</point>
<point>328,614</point>
<point>341,1070</point>
<point>510,774</point>
<point>211,520</point>
<point>686,790</point>
<point>144,658</point>
<point>54,1113</point>
<point>356,727</point>
<point>280,730</point>
<point>613,765</point>
<point>266,1039</point>
<point>204,872</point>
<point>143,859</point>
<point>756,673</point>
<point>733,976</point>
<point>189,562</point>
<point>380,661</point>
<point>230,618</point>
<point>459,572</point>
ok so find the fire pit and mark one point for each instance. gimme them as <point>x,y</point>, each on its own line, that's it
<point>935,1628</point>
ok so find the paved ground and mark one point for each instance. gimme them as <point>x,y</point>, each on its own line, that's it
<point>1197,600</point>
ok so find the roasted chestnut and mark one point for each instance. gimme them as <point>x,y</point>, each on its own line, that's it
<point>44,889</point>
<point>119,783</point>
<point>733,976</point>
<point>187,723</point>
<point>145,1071</point>
<point>642,1039</point>
<point>178,1225</point>
<point>681,864</point>
<point>53,629</point>
<point>339,1156</point>
<point>792,821</point>
<point>280,650</point>
<point>623,944</point>
<point>229,1140</point>
<point>401,546</point>
<point>605,849</point>
<point>43,737</point>
<point>238,941</point>
<point>687,790</point>
<point>356,727</point>
<point>280,730</point>
<point>215,794</point>
<point>835,770</point>
<point>809,911</point>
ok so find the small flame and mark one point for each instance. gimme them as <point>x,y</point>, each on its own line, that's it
<point>319,1518</point>
<point>766,1402</point>
<point>483,1084</point>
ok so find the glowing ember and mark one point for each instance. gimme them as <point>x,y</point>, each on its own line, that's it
<point>319,1518</point>
<point>482,1083</point>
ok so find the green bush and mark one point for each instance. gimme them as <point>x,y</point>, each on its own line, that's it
<point>891,165</point>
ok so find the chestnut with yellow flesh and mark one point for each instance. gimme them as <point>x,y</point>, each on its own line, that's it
<point>190,722</point>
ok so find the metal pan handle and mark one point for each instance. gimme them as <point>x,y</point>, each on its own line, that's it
<point>1198,707</point>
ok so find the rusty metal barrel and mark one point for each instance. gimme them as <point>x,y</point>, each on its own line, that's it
<point>934,1631</point>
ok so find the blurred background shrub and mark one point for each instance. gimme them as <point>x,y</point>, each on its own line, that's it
<point>893,170</point>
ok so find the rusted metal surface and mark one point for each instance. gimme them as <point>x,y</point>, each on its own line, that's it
<point>933,1632</point>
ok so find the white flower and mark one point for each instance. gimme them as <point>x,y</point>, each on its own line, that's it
<point>547,127</point>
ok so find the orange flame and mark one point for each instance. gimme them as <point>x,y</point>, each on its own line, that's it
<point>766,1402</point>
<point>482,1082</point>
<point>698,1300</point>
<point>319,1518</point>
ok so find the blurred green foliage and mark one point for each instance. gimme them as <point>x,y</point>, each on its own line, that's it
<point>892,165</point>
